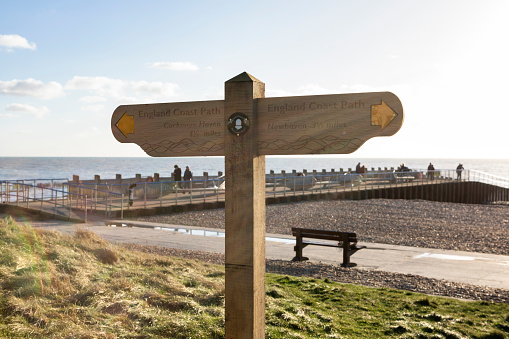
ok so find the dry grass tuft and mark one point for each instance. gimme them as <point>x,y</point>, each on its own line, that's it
<point>87,236</point>
<point>107,256</point>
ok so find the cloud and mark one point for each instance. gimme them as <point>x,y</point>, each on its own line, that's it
<point>314,89</point>
<point>92,99</point>
<point>93,108</point>
<point>174,66</point>
<point>120,90</point>
<point>31,87</point>
<point>101,86</point>
<point>38,112</point>
<point>308,89</point>
<point>15,41</point>
<point>157,88</point>
<point>88,132</point>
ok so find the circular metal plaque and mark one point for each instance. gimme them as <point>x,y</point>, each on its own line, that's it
<point>238,123</point>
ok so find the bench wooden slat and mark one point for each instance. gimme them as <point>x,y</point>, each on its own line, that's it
<point>320,243</point>
<point>313,231</point>
<point>322,237</point>
<point>321,234</point>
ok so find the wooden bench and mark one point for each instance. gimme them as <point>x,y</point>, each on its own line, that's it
<point>345,240</point>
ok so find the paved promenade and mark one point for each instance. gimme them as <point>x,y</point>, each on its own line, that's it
<point>455,266</point>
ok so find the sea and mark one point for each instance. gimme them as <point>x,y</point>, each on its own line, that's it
<point>13,168</point>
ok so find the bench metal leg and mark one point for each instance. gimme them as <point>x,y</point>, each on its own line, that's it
<point>346,252</point>
<point>298,248</point>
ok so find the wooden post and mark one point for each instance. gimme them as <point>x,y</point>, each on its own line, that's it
<point>244,211</point>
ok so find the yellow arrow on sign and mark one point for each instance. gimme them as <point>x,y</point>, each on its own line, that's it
<point>382,115</point>
<point>126,124</point>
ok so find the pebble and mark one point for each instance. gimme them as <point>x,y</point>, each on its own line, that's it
<point>418,223</point>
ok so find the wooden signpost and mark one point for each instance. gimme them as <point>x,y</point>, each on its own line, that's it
<point>244,128</point>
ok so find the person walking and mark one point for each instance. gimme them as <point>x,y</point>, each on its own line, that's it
<point>459,170</point>
<point>177,176</point>
<point>188,175</point>
<point>431,171</point>
<point>131,194</point>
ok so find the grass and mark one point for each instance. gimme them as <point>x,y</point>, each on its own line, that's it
<point>56,286</point>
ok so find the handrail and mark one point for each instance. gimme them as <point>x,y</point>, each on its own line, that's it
<point>111,197</point>
<point>49,203</point>
<point>89,188</point>
<point>96,201</point>
<point>37,179</point>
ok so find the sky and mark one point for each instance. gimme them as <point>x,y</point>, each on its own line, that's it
<point>66,65</point>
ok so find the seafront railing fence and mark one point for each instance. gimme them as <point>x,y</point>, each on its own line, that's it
<point>148,194</point>
<point>39,197</point>
<point>99,199</point>
<point>112,198</point>
<point>489,179</point>
<point>11,189</point>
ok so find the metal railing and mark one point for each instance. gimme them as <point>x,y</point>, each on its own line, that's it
<point>101,200</point>
<point>40,197</point>
<point>111,198</point>
<point>489,179</point>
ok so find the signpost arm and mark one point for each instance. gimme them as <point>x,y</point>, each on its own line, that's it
<point>244,211</point>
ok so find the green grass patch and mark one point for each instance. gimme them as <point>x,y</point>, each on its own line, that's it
<point>55,286</point>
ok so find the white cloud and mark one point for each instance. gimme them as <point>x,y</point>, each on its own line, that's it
<point>314,89</point>
<point>23,131</point>
<point>7,115</point>
<point>174,66</point>
<point>93,108</point>
<point>157,88</point>
<point>15,41</point>
<point>31,87</point>
<point>123,91</point>
<point>101,86</point>
<point>89,132</point>
<point>309,89</point>
<point>38,112</point>
<point>90,99</point>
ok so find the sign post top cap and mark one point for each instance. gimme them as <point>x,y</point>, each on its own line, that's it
<point>244,77</point>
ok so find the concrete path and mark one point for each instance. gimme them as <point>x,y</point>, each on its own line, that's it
<point>456,266</point>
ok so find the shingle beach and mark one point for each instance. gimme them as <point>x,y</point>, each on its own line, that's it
<point>473,228</point>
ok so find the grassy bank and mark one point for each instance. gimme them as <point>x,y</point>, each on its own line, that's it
<point>59,286</point>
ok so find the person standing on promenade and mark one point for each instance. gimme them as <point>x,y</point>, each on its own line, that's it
<point>431,171</point>
<point>188,175</point>
<point>177,175</point>
<point>459,169</point>
<point>358,168</point>
<point>131,194</point>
